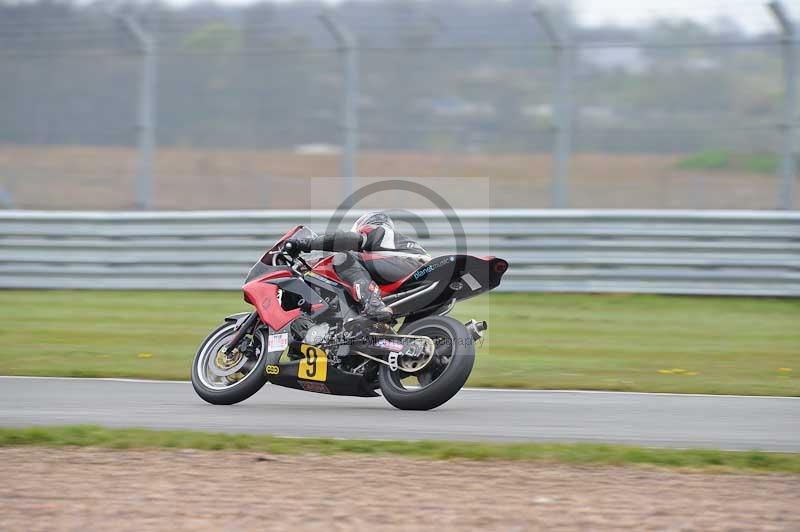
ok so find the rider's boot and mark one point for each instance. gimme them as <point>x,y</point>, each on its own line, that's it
<point>368,295</point>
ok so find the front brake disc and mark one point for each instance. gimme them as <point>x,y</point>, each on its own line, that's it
<point>223,366</point>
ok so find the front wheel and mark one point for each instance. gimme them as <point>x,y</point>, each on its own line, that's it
<point>224,378</point>
<point>441,378</point>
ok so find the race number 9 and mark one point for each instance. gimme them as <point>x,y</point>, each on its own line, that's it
<point>314,365</point>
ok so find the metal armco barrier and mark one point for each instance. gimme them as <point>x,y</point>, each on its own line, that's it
<point>669,252</point>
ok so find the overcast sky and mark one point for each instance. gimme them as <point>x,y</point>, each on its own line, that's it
<point>752,15</point>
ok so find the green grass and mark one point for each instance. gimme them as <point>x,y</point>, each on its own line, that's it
<point>601,342</point>
<point>759,163</point>
<point>706,160</point>
<point>764,163</point>
<point>565,453</point>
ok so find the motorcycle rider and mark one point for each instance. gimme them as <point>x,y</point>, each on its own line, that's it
<point>371,253</point>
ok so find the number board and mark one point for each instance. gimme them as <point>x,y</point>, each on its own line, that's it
<point>314,365</point>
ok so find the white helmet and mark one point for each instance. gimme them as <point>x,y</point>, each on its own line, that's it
<point>373,219</point>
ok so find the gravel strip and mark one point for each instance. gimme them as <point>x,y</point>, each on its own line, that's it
<point>95,489</point>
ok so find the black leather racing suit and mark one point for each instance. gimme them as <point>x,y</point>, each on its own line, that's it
<point>375,253</point>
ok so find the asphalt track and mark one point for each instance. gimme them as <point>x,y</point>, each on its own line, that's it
<point>658,420</point>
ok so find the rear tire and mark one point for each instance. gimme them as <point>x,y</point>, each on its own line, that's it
<point>253,381</point>
<point>447,383</point>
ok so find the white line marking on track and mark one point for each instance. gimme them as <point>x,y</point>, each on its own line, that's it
<point>468,389</point>
<point>107,379</point>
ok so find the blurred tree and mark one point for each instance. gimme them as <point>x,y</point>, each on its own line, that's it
<point>215,37</point>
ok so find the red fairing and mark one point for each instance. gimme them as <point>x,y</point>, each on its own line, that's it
<point>264,296</point>
<point>325,268</point>
<point>391,288</point>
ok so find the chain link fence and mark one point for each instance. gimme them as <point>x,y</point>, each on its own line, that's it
<point>248,108</point>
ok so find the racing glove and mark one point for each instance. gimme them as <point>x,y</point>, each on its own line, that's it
<point>338,241</point>
<point>298,245</point>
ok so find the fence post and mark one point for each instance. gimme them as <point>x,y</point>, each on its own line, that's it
<point>788,166</point>
<point>146,122</point>
<point>347,45</point>
<point>561,42</point>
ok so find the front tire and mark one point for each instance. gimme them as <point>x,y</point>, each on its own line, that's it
<point>445,375</point>
<point>228,390</point>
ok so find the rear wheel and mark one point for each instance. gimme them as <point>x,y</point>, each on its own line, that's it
<point>226,377</point>
<point>442,377</point>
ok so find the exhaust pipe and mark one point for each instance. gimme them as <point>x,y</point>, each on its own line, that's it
<point>476,328</point>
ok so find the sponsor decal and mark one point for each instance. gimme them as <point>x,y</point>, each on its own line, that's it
<point>272,369</point>
<point>386,344</point>
<point>471,281</point>
<point>278,342</point>
<point>314,387</point>
<point>419,274</point>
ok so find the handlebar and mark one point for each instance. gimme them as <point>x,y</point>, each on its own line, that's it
<point>292,253</point>
<point>291,250</point>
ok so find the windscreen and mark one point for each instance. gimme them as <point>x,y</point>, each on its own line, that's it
<point>300,231</point>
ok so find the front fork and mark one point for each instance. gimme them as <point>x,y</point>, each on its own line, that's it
<point>242,329</point>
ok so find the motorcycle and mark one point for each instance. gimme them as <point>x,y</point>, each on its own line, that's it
<point>306,332</point>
